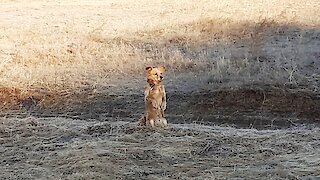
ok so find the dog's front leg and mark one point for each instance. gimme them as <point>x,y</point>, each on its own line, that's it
<point>163,103</point>
<point>150,123</point>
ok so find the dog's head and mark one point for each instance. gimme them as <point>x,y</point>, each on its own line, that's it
<point>155,75</point>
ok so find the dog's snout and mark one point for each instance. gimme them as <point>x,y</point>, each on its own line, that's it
<point>161,77</point>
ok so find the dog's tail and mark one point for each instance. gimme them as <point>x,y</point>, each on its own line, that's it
<point>142,121</point>
<point>161,111</point>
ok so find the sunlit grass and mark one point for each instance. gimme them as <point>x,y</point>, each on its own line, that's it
<point>63,45</point>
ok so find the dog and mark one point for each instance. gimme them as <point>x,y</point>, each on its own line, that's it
<point>155,99</point>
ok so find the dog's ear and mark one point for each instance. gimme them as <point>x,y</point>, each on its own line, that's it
<point>162,68</point>
<point>148,69</point>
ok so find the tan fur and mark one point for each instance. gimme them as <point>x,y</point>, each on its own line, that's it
<point>155,99</point>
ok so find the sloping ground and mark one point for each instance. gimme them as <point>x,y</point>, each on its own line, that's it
<point>255,107</point>
<point>62,148</point>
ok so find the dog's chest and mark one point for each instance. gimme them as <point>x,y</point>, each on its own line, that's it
<point>155,92</point>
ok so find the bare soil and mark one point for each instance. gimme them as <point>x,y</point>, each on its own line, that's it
<point>258,106</point>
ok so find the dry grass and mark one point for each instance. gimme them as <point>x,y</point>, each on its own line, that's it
<point>83,63</point>
<point>63,45</point>
<point>60,148</point>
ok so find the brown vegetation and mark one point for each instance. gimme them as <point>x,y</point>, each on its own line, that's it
<point>71,88</point>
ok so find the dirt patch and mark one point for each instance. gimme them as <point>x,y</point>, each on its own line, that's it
<point>20,99</point>
<point>242,107</point>
<point>273,104</point>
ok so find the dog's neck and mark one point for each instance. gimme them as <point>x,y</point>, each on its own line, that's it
<point>151,85</point>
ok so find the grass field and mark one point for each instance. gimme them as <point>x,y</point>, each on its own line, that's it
<point>242,82</point>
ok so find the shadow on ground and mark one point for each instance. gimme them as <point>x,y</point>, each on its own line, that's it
<point>244,107</point>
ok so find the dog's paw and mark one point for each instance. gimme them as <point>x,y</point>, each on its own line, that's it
<point>150,123</point>
<point>160,122</point>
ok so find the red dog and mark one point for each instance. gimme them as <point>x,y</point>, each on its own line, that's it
<point>155,98</point>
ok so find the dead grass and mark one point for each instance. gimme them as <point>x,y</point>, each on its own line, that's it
<point>60,148</point>
<point>82,62</point>
<point>63,45</point>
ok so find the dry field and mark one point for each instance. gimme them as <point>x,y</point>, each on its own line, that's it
<point>242,82</point>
